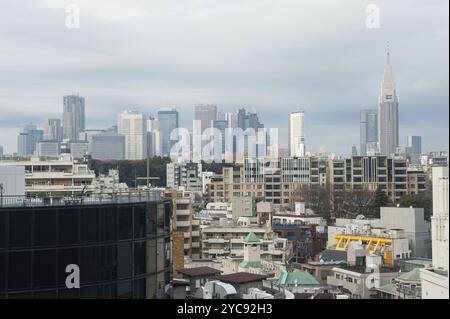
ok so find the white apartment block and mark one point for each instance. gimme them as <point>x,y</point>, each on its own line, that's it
<point>55,177</point>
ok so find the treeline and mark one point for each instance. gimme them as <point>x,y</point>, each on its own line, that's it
<point>129,171</point>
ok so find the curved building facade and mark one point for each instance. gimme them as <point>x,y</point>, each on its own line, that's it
<point>122,250</point>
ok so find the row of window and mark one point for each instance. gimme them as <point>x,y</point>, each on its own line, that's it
<point>74,226</point>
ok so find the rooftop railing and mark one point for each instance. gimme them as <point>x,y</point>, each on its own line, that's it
<point>119,197</point>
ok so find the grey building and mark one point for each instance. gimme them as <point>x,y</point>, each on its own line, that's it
<point>28,137</point>
<point>415,143</point>
<point>79,149</point>
<point>388,112</point>
<point>1,150</point>
<point>53,130</point>
<point>107,146</point>
<point>368,130</point>
<point>48,149</point>
<point>73,117</point>
<point>206,114</point>
<point>168,121</point>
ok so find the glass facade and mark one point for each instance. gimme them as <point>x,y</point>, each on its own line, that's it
<point>122,250</point>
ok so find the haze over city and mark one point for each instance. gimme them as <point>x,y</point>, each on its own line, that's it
<point>271,58</point>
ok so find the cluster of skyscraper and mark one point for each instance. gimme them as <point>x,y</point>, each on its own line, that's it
<point>138,135</point>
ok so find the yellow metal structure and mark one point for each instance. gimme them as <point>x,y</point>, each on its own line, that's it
<point>373,244</point>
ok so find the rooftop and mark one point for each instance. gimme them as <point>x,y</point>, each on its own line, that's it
<point>297,278</point>
<point>241,278</point>
<point>199,271</point>
<point>251,238</point>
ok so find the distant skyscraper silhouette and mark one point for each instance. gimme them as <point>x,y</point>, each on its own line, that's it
<point>368,131</point>
<point>388,111</point>
<point>73,117</point>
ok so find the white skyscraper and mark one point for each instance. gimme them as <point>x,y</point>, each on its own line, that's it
<point>388,111</point>
<point>153,137</point>
<point>296,134</point>
<point>133,125</point>
<point>73,117</point>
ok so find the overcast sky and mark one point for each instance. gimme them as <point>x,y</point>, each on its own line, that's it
<point>272,57</point>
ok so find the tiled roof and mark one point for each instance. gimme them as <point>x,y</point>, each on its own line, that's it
<point>251,238</point>
<point>297,277</point>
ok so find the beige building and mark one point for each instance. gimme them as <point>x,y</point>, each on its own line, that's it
<point>228,241</point>
<point>184,222</point>
<point>55,177</point>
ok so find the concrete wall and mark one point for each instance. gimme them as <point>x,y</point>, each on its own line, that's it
<point>13,180</point>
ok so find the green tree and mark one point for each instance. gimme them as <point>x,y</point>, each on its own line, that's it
<point>380,200</point>
<point>420,200</point>
<point>129,171</point>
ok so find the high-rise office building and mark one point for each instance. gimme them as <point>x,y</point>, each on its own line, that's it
<point>1,150</point>
<point>230,117</point>
<point>73,117</point>
<point>28,137</point>
<point>153,137</point>
<point>206,114</point>
<point>388,111</point>
<point>296,134</point>
<point>368,131</point>
<point>168,121</point>
<point>107,146</point>
<point>222,126</point>
<point>53,130</point>
<point>133,125</point>
<point>414,143</point>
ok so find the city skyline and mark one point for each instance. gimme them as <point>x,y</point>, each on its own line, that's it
<point>292,71</point>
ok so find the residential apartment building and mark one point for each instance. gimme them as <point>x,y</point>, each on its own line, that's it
<point>184,222</point>
<point>55,177</point>
<point>228,241</point>
<point>187,175</point>
<point>369,173</point>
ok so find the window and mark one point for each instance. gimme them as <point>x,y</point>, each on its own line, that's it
<point>140,258</point>
<point>45,228</point>
<point>88,225</point>
<point>19,270</point>
<point>107,225</point>
<point>44,268</point>
<point>20,229</point>
<point>139,221</point>
<point>124,260</point>
<point>68,226</point>
<point>125,223</point>
<point>2,231</point>
<point>89,264</point>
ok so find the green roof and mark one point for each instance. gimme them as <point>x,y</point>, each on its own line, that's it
<point>251,238</point>
<point>297,277</point>
<point>389,288</point>
<point>250,264</point>
<point>411,276</point>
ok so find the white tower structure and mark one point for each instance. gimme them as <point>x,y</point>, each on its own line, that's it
<point>388,111</point>
<point>296,134</point>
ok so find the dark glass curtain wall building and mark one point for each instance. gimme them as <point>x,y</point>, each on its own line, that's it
<point>122,249</point>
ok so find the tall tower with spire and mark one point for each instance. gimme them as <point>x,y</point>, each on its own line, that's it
<point>388,111</point>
